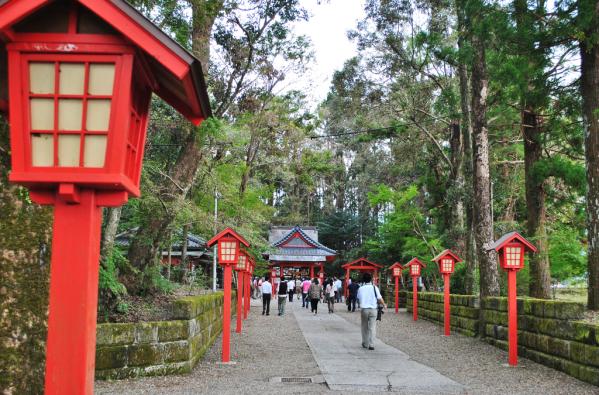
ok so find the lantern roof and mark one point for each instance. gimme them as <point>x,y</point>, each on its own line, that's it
<point>179,78</point>
<point>511,238</point>
<point>396,265</point>
<point>227,232</point>
<point>414,261</point>
<point>444,253</point>
<point>361,262</point>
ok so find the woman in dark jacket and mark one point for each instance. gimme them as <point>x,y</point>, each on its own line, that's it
<point>315,294</point>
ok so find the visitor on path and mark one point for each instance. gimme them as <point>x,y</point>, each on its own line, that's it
<point>266,289</point>
<point>259,281</point>
<point>305,289</point>
<point>290,288</point>
<point>370,297</point>
<point>330,295</point>
<point>315,294</point>
<point>282,297</point>
<point>338,289</point>
<point>352,295</point>
<point>298,288</point>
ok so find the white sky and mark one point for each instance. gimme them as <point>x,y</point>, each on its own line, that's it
<point>327,29</point>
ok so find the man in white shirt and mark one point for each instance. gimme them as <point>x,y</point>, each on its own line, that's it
<point>266,289</point>
<point>369,297</point>
<point>290,289</point>
<point>338,290</point>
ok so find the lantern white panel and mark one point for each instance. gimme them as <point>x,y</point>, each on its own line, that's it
<point>68,150</point>
<point>41,78</point>
<point>42,150</point>
<point>94,151</point>
<point>42,114</point>
<point>70,113</point>
<point>72,78</point>
<point>98,115</point>
<point>101,79</point>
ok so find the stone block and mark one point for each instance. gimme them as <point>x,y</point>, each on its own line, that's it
<point>172,330</point>
<point>582,332</point>
<point>146,332</point>
<point>559,347</point>
<point>176,351</point>
<point>568,310</point>
<point>115,333</point>
<point>145,355</point>
<point>111,357</point>
<point>588,374</point>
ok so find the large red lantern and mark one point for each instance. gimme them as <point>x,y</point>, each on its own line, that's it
<point>415,269</point>
<point>229,245</point>
<point>446,261</point>
<point>396,270</point>
<point>511,248</point>
<point>80,74</point>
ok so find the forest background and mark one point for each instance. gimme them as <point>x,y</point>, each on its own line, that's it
<point>456,122</point>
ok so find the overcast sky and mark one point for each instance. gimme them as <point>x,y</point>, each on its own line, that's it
<point>327,28</point>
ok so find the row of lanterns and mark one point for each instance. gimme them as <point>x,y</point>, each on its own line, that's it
<point>511,249</point>
<point>232,255</point>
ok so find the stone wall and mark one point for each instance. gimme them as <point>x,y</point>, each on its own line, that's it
<point>162,347</point>
<point>388,292</point>
<point>549,332</point>
<point>464,310</point>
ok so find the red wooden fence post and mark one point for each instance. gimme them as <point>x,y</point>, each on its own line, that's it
<point>446,302</point>
<point>239,314</point>
<point>71,345</point>
<point>396,294</point>
<point>512,318</point>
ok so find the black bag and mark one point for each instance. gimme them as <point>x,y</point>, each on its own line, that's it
<point>379,308</point>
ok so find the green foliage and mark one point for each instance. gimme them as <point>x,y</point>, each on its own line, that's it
<point>567,254</point>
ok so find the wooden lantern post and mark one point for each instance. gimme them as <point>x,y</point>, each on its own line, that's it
<point>511,248</point>
<point>79,106</point>
<point>446,261</point>
<point>229,243</point>
<point>242,264</point>
<point>396,270</point>
<point>415,268</point>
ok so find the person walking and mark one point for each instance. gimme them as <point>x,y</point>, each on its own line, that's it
<point>290,288</point>
<point>370,297</point>
<point>298,288</point>
<point>266,289</point>
<point>330,296</point>
<point>338,289</point>
<point>305,289</point>
<point>315,294</point>
<point>282,300</point>
<point>352,295</point>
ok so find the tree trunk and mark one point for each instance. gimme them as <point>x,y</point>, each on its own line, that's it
<point>489,283</point>
<point>340,195</point>
<point>184,245</point>
<point>471,262</point>
<point>110,229</point>
<point>456,225</point>
<point>589,86</point>
<point>540,276</point>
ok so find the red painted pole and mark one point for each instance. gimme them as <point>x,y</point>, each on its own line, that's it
<point>226,354</point>
<point>446,303</point>
<point>240,285</point>
<point>71,343</point>
<point>512,310</point>
<point>415,298</point>
<point>396,294</point>
<point>246,305</point>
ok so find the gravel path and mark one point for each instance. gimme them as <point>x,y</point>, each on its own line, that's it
<point>478,366</point>
<point>268,347</point>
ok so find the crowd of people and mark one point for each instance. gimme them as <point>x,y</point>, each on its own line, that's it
<point>364,294</point>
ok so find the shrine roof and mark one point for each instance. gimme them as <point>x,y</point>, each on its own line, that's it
<point>295,244</point>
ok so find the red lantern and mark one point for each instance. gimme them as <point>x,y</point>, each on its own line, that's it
<point>80,77</point>
<point>396,269</point>
<point>415,268</point>
<point>446,261</point>
<point>511,248</point>
<point>228,255</point>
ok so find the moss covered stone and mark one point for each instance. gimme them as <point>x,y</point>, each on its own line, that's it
<point>145,355</point>
<point>176,351</point>
<point>111,357</point>
<point>172,330</point>
<point>115,333</point>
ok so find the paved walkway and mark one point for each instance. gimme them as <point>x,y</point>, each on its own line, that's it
<point>409,358</point>
<point>346,366</point>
